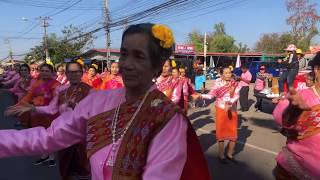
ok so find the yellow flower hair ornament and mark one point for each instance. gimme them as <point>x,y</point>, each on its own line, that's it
<point>80,61</point>
<point>95,66</point>
<point>173,63</point>
<point>164,34</point>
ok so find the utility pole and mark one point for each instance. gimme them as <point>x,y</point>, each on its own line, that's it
<point>107,28</point>
<point>7,41</point>
<point>205,53</point>
<point>45,24</point>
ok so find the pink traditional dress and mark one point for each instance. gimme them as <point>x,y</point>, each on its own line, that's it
<point>112,82</point>
<point>104,74</point>
<point>62,78</point>
<point>159,142</point>
<point>170,87</point>
<point>72,159</point>
<point>11,80</point>
<point>187,90</point>
<point>300,158</point>
<point>34,74</point>
<point>8,75</point>
<point>22,86</point>
<point>226,120</point>
<point>94,82</point>
<point>40,94</point>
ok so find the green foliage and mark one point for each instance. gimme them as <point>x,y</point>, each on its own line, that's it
<point>196,38</point>
<point>59,48</point>
<point>217,41</point>
<point>303,19</point>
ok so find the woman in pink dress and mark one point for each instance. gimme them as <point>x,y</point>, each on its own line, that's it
<point>12,77</point>
<point>61,75</point>
<point>114,80</point>
<point>134,132</point>
<point>92,78</point>
<point>73,160</point>
<point>298,117</point>
<point>40,94</point>
<point>187,87</point>
<point>226,91</point>
<point>168,84</point>
<point>34,70</point>
<point>23,85</point>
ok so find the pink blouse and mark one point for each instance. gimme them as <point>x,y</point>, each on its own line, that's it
<point>246,76</point>
<point>167,152</point>
<point>164,83</point>
<point>62,79</point>
<point>19,89</point>
<point>306,151</point>
<point>12,80</point>
<point>221,101</point>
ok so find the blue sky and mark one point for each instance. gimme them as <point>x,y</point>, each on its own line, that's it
<point>245,21</point>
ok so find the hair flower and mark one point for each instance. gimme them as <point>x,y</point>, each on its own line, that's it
<point>95,66</point>
<point>164,34</point>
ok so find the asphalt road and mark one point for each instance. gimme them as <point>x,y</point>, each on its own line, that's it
<point>21,168</point>
<point>259,142</point>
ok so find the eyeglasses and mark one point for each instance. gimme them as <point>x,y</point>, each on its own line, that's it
<point>73,72</point>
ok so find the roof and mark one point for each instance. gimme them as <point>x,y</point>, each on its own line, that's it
<point>253,54</point>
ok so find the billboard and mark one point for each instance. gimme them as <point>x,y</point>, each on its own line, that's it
<point>186,49</point>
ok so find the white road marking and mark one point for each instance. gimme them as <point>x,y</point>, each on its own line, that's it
<point>246,144</point>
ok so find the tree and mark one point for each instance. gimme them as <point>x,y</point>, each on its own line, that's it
<point>219,29</point>
<point>60,48</point>
<point>242,48</point>
<point>217,41</point>
<point>303,20</point>
<point>196,38</point>
<point>274,42</point>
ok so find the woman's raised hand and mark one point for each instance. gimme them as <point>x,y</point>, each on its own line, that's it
<point>18,109</point>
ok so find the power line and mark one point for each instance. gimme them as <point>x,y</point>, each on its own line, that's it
<point>64,9</point>
<point>53,4</point>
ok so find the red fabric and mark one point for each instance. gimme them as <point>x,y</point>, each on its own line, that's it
<point>96,83</point>
<point>196,166</point>
<point>299,79</point>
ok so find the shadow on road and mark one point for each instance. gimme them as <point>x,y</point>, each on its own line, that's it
<point>230,171</point>
<point>266,123</point>
<point>207,140</point>
<point>199,123</point>
<point>197,114</point>
<point>251,102</point>
<point>243,134</point>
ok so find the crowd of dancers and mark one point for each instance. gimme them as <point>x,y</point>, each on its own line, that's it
<point>129,122</point>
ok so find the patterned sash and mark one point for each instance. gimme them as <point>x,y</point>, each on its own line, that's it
<point>226,89</point>
<point>308,123</point>
<point>74,94</point>
<point>167,85</point>
<point>132,154</point>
